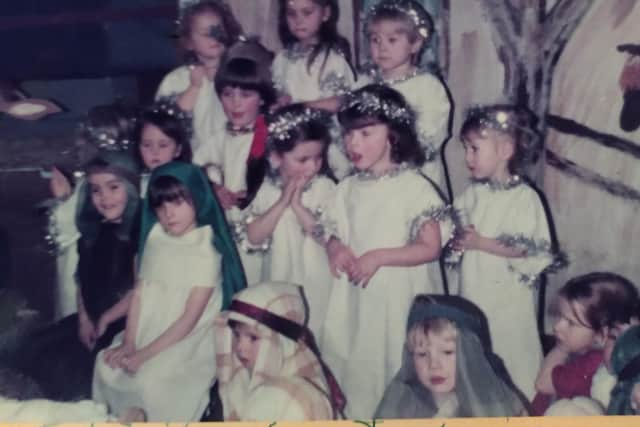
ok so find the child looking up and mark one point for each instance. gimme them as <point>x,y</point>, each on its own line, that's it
<point>382,232</point>
<point>189,270</point>
<point>448,369</point>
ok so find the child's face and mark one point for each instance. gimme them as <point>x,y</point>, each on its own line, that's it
<point>177,217</point>
<point>391,47</point>
<point>571,330</point>
<point>241,106</point>
<point>200,42</point>
<point>369,148</point>
<point>156,147</point>
<point>304,19</point>
<point>434,359</point>
<point>304,161</point>
<point>246,344</point>
<point>487,154</point>
<point>108,195</point>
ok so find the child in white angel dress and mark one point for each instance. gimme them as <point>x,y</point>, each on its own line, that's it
<point>507,242</point>
<point>285,209</point>
<point>383,232</point>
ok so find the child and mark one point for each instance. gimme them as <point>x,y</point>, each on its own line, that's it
<point>626,316</point>
<point>587,308</point>
<point>162,135</point>
<point>397,32</point>
<point>163,360</point>
<point>269,367</point>
<point>282,215</point>
<point>625,363</point>
<point>507,244</point>
<point>238,167</point>
<point>384,229</point>
<point>61,356</point>
<point>448,368</point>
<point>316,61</point>
<point>106,128</point>
<point>206,29</point>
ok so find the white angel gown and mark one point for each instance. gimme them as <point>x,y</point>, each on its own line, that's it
<point>426,94</point>
<point>294,256</point>
<point>226,164</point>
<point>322,80</point>
<point>173,385</point>
<point>208,116</point>
<point>504,288</point>
<point>364,331</point>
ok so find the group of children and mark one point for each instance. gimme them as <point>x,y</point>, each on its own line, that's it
<point>289,226</point>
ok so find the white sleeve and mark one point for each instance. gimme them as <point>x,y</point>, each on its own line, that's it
<point>433,112</point>
<point>62,220</point>
<point>427,206</point>
<point>173,83</point>
<point>337,77</point>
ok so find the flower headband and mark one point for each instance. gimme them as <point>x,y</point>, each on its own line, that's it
<point>281,125</point>
<point>168,106</point>
<point>503,118</point>
<point>369,104</point>
<point>106,138</point>
<point>412,10</point>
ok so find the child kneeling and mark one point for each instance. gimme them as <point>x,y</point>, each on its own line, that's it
<point>448,369</point>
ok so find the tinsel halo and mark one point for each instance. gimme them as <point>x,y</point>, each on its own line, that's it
<point>369,103</point>
<point>409,8</point>
<point>169,106</point>
<point>283,122</point>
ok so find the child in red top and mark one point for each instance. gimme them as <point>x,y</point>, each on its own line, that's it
<point>585,309</point>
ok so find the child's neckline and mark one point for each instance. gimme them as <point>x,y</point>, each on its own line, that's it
<point>512,182</point>
<point>298,51</point>
<point>377,76</point>
<point>368,175</point>
<point>239,131</point>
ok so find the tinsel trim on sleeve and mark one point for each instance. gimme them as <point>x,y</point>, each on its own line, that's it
<point>438,214</point>
<point>335,83</point>
<point>428,146</point>
<point>531,248</point>
<point>239,231</point>
<point>324,228</point>
<point>452,258</point>
<point>52,232</point>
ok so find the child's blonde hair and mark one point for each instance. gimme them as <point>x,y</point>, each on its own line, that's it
<point>416,336</point>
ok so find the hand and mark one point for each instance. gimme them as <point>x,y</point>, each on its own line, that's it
<point>59,184</point>
<point>363,268</point>
<point>228,199</point>
<point>197,75</point>
<point>470,239</point>
<point>281,102</point>
<point>113,357</point>
<point>87,331</point>
<point>288,192</point>
<point>103,324</point>
<point>340,257</point>
<point>132,363</point>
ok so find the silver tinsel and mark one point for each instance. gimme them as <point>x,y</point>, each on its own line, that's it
<point>239,232</point>
<point>367,175</point>
<point>281,125</point>
<point>168,105</point>
<point>512,182</point>
<point>335,83</point>
<point>370,104</point>
<point>104,139</point>
<point>409,8</point>
<point>437,214</point>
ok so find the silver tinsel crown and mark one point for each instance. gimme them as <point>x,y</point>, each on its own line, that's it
<point>282,124</point>
<point>370,104</point>
<point>409,8</point>
<point>169,106</point>
<point>105,138</point>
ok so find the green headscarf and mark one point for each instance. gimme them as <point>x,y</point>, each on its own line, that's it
<point>625,363</point>
<point>208,212</point>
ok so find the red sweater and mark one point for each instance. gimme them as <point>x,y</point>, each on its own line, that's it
<point>570,380</point>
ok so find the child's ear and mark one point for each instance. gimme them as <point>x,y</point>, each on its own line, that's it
<point>178,152</point>
<point>506,149</point>
<point>416,45</point>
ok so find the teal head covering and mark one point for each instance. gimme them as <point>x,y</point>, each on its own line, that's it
<point>625,363</point>
<point>123,165</point>
<point>482,387</point>
<point>208,212</point>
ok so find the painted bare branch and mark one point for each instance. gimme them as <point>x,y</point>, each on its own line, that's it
<point>587,176</point>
